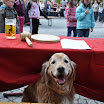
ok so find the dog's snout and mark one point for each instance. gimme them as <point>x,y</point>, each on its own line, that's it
<point>61,69</point>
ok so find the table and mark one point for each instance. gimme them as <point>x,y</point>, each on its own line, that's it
<point>21,65</point>
<point>54,8</point>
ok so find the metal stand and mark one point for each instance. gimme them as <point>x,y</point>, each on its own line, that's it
<point>50,22</point>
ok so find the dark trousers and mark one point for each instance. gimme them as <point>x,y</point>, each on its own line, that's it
<point>96,15</point>
<point>83,32</point>
<point>103,15</point>
<point>69,30</point>
<point>26,16</point>
<point>34,25</point>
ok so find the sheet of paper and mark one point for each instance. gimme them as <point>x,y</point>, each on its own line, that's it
<point>74,44</point>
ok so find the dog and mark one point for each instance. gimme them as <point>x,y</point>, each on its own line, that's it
<point>56,83</point>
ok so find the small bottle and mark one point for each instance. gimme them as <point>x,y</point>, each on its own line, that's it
<point>10,28</point>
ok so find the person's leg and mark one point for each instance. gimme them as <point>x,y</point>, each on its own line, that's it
<point>25,16</point>
<point>35,23</point>
<point>95,15</point>
<point>28,19</point>
<point>74,31</point>
<point>69,29</point>
<point>21,19</point>
<point>86,32</point>
<point>103,15</point>
<point>53,14</point>
<point>80,32</point>
<point>48,12</point>
<point>99,17</point>
<point>31,26</point>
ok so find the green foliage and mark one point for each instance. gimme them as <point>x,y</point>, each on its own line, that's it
<point>58,1</point>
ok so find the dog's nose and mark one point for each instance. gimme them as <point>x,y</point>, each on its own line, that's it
<point>61,69</point>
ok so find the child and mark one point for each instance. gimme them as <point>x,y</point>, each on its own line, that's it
<point>27,20</point>
<point>71,20</point>
<point>20,8</point>
<point>8,12</point>
<point>58,10</point>
<point>34,15</point>
<point>100,11</point>
<point>85,18</point>
<point>95,9</point>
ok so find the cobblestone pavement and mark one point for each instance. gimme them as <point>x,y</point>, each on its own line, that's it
<point>78,99</point>
<point>58,28</point>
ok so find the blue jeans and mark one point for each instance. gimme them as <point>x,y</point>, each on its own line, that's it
<point>69,30</point>
<point>83,32</point>
<point>100,16</point>
<point>49,12</point>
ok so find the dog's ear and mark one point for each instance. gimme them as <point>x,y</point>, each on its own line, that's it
<point>71,77</point>
<point>73,65</point>
<point>45,67</point>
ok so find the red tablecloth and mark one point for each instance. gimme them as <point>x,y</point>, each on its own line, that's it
<point>20,64</point>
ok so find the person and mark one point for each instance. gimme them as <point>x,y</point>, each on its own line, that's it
<point>41,4</point>
<point>8,12</point>
<point>63,3</point>
<point>58,10</point>
<point>1,2</point>
<point>98,1</point>
<point>54,4</point>
<point>71,20</point>
<point>103,10</point>
<point>34,14</point>
<point>100,11</point>
<point>49,8</point>
<point>20,8</point>
<point>85,18</point>
<point>2,6</point>
<point>95,9</point>
<point>27,20</point>
<point>92,2</point>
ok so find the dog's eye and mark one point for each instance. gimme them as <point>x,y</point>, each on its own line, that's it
<point>53,62</point>
<point>66,61</point>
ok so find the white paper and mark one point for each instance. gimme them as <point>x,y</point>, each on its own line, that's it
<point>74,44</point>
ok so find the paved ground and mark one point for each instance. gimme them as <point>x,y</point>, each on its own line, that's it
<point>59,28</point>
<point>78,99</point>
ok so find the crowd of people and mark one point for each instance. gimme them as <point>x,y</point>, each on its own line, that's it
<point>98,8</point>
<point>28,12</point>
<point>59,8</point>
<point>81,16</point>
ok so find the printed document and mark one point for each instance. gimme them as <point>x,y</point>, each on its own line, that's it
<point>74,44</point>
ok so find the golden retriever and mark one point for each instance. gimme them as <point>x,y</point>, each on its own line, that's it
<point>56,83</point>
